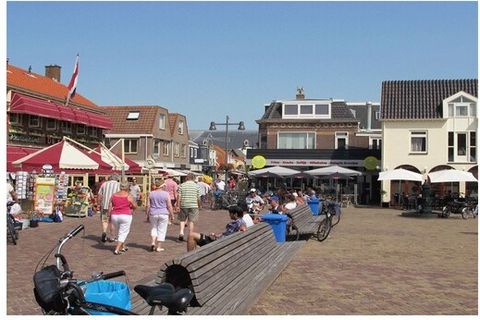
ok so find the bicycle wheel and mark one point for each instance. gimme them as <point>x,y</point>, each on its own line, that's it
<point>11,230</point>
<point>335,219</point>
<point>324,229</point>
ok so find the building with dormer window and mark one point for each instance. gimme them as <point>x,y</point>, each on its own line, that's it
<point>429,125</point>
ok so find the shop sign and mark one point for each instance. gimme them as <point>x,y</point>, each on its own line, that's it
<point>23,138</point>
<point>311,162</point>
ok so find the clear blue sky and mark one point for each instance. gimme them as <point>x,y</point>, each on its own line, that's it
<point>207,60</point>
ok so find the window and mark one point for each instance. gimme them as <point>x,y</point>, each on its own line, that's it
<point>34,121</point>
<point>296,140</point>
<point>180,127</point>
<point>51,124</point>
<point>66,126</point>
<point>473,146</point>
<point>166,148</point>
<point>93,131</point>
<point>375,143</point>
<point>377,115</point>
<point>156,146</point>
<point>461,110</point>
<point>291,109</point>
<point>461,144</point>
<point>15,118</point>
<point>80,129</point>
<point>306,109</point>
<point>176,149</point>
<point>161,122</point>
<point>133,115</point>
<point>321,109</point>
<point>184,151</point>
<point>451,147</point>
<point>341,140</point>
<point>130,145</point>
<point>418,142</point>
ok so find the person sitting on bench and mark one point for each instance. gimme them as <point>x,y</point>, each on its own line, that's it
<point>233,226</point>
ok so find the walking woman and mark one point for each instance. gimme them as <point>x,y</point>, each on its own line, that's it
<point>159,208</point>
<point>122,206</point>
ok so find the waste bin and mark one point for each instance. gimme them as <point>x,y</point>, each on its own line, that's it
<point>314,205</point>
<point>278,222</point>
<point>111,293</point>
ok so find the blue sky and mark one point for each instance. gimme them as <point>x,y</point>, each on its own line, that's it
<point>209,60</point>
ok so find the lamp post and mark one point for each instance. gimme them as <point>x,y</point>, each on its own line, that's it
<point>213,126</point>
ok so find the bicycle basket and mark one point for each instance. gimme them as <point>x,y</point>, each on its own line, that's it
<point>47,289</point>
<point>111,293</point>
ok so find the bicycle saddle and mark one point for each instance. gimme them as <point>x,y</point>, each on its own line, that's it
<point>165,295</point>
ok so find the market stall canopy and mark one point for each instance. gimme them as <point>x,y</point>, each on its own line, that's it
<point>15,153</point>
<point>61,155</point>
<point>172,173</point>
<point>451,175</point>
<point>113,162</point>
<point>400,174</point>
<point>268,174</point>
<point>326,171</point>
<point>281,171</point>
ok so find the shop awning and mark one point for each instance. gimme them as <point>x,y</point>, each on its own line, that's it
<point>15,153</point>
<point>37,107</point>
<point>97,120</point>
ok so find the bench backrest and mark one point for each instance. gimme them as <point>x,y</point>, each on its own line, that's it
<point>207,269</point>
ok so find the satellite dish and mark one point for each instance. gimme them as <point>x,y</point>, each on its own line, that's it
<point>245,143</point>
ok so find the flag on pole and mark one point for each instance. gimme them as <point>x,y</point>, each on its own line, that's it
<point>72,86</point>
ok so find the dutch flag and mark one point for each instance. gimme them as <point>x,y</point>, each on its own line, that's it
<point>72,86</point>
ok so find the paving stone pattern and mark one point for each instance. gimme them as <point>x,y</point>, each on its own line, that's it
<point>374,262</point>
<point>378,262</point>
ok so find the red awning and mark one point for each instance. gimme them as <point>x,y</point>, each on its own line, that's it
<point>67,114</point>
<point>82,117</point>
<point>15,153</point>
<point>97,120</point>
<point>44,108</point>
<point>35,107</point>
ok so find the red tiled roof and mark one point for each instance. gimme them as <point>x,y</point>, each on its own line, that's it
<point>144,124</point>
<point>18,78</point>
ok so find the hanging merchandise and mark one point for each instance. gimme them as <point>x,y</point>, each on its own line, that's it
<point>61,182</point>
<point>21,184</point>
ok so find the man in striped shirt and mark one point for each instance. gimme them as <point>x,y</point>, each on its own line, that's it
<point>188,202</point>
<point>104,196</point>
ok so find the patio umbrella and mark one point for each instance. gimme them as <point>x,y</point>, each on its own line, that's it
<point>268,174</point>
<point>400,174</point>
<point>61,155</point>
<point>451,175</point>
<point>110,161</point>
<point>326,171</point>
<point>281,171</point>
<point>173,173</point>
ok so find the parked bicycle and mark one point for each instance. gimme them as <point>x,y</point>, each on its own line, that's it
<point>332,213</point>
<point>13,227</point>
<point>58,293</point>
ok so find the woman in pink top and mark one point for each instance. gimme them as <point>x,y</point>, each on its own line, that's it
<point>122,205</point>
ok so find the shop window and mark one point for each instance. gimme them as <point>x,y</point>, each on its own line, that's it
<point>451,147</point>
<point>66,126</point>
<point>81,129</point>
<point>15,118</point>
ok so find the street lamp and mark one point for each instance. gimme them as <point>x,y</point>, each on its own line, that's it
<point>213,126</point>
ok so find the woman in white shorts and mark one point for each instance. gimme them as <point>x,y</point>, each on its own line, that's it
<point>121,211</point>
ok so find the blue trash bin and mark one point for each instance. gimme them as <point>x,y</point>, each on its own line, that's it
<point>111,293</point>
<point>314,205</point>
<point>278,222</point>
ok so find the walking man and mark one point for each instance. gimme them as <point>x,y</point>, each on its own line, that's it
<point>188,202</point>
<point>104,197</point>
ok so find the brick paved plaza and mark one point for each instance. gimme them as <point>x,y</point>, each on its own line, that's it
<point>375,262</point>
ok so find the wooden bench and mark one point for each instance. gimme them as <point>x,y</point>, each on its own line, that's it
<point>306,223</point>
<point>228,275</point>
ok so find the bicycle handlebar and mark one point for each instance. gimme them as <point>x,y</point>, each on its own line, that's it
<point>113,275</point>
<point>75,231</point>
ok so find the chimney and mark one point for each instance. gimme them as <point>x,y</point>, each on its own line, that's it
<point>53,72</point>
<point>300,94</point>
